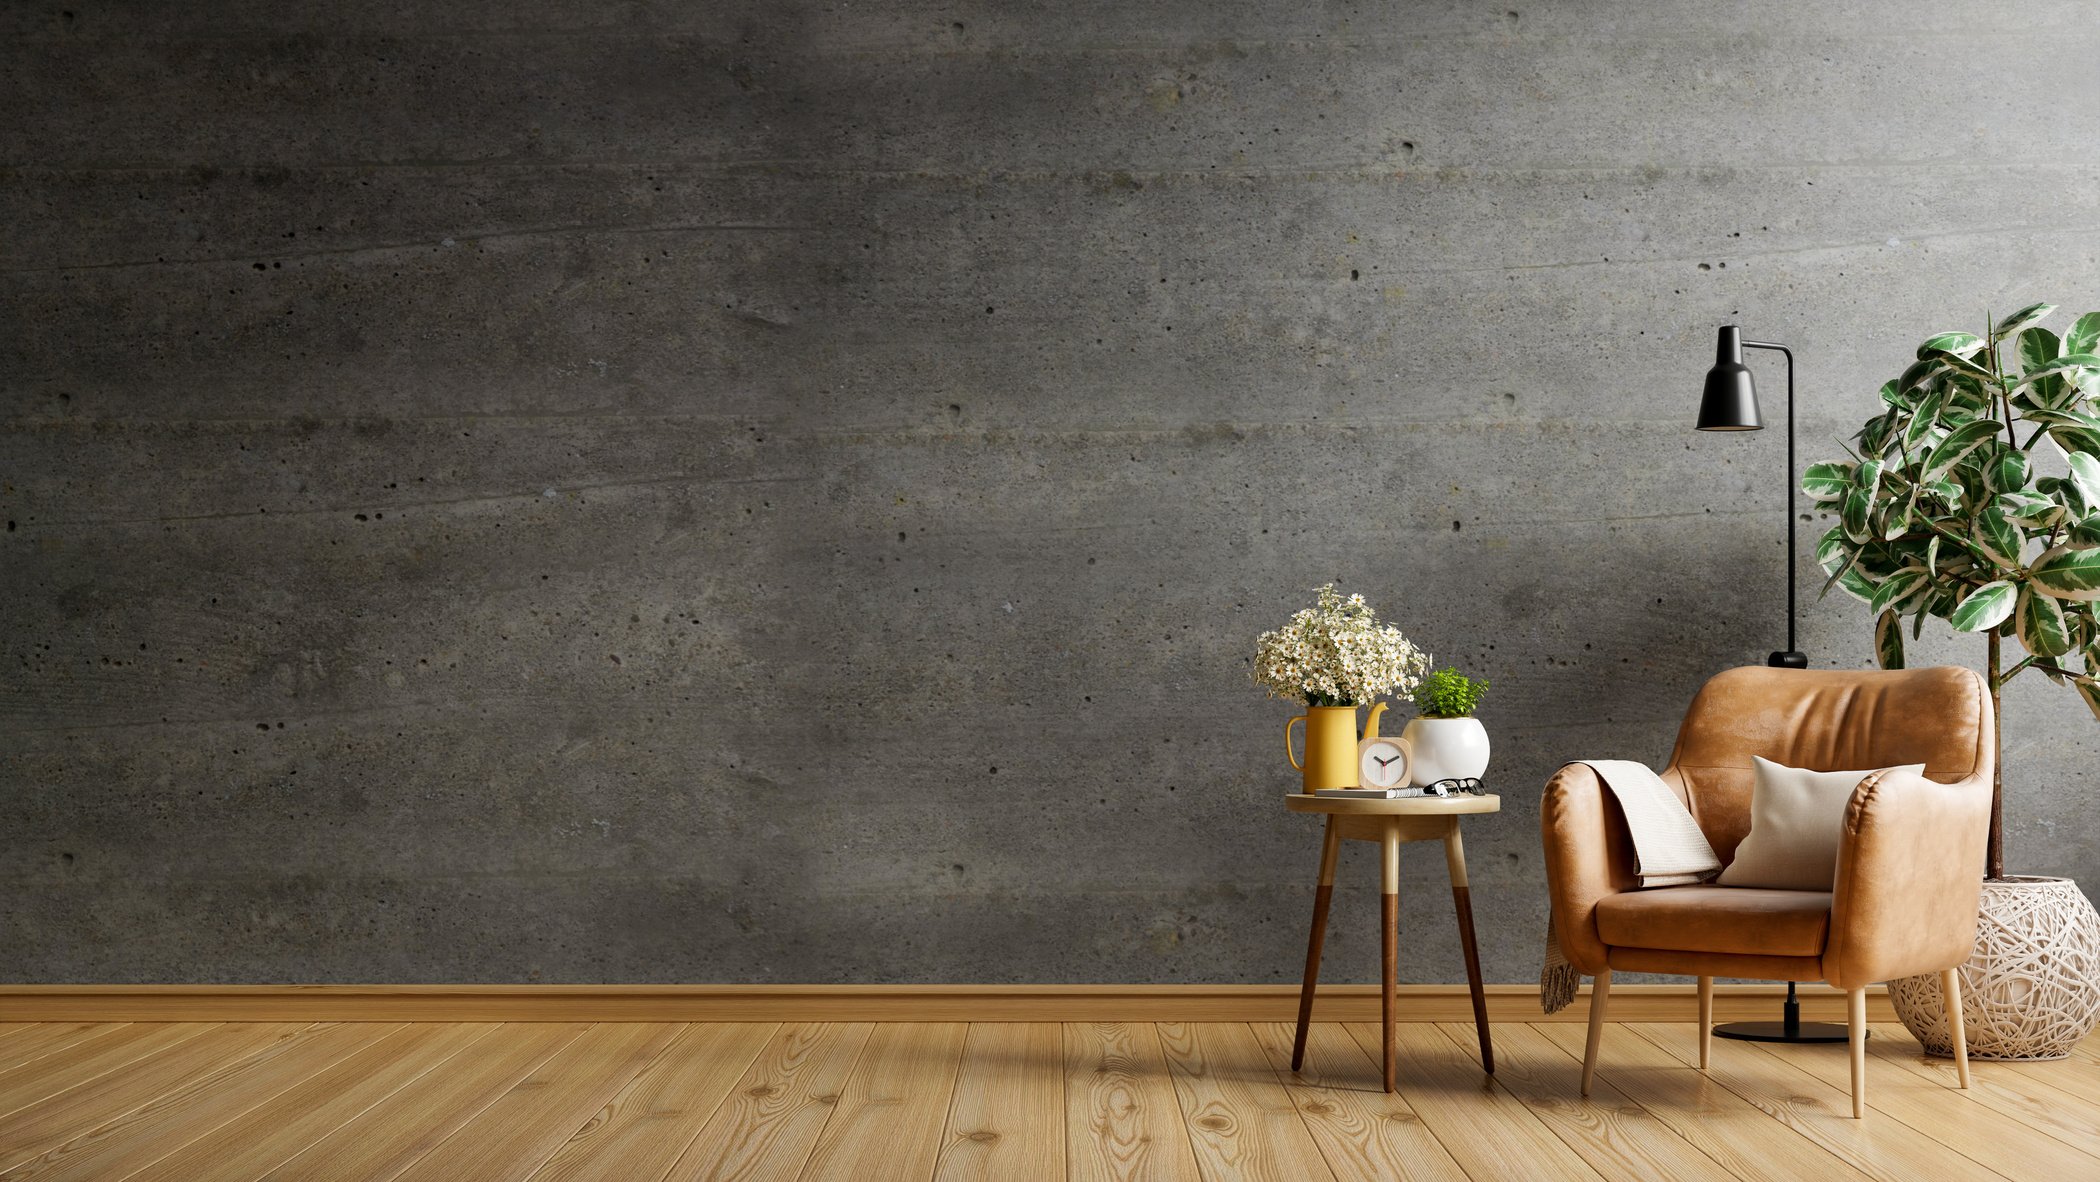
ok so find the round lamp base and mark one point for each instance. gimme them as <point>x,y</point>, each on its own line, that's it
<point>1783,1031</point>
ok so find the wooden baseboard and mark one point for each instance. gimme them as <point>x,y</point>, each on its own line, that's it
<point>870,1003</point>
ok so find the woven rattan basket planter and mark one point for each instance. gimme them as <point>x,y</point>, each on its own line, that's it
<point>2031,989</point>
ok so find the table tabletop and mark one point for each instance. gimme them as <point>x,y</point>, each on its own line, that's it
<point>1412,806</point>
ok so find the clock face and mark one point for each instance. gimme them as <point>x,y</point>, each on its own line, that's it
<point>1382,765</point>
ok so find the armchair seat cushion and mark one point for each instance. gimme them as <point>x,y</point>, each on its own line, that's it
<point>1745,921</point>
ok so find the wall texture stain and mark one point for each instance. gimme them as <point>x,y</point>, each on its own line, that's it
<point>785,492</point>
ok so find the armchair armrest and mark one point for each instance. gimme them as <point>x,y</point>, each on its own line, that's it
<point>1589,855</point>
<point>1909,875</point>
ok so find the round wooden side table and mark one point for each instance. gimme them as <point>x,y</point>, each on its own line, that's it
<point>1392,823</point>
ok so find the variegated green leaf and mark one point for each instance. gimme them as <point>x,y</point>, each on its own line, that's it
<point>1967,397</point>
<point>2011,472</point>
<point>2085,471</point>
<point>2037,348</point>
<point>1932,553</point>
<point>1827,482</point>
<point>1963,442</point>
<point>2068,572</point>
<point>1868,478</point>
<point>1964,368</point>
<point>1888,640</point>
<point>2065,417</point>
<point>2039,622</point>
<point>1831,551</point>
<point>2086,531</point>
<point>1855,515</point>
<point>1898,520</point>
<point>1841,563</point>
<point>2083,336</point>
<point>1855,584</point>
<point>2030,314</point>
<point>1874,437</point>
<point>2025,508</point>
<point>1985,608</point>
<point>1958,344</point>
<point>1917,374</point>
<point>1998,537</point>
<point>2064,364</point>
<point>2059,391</point>
<point>1923,420</point>
<point>2076,438</point>
<point>2074,501</point>
<point>1902,591</point>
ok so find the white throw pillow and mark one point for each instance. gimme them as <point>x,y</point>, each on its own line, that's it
<point>1796,817</point>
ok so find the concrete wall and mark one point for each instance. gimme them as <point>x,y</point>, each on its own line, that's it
<point>785,492</point>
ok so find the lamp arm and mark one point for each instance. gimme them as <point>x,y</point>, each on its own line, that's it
<point>1790,544</point>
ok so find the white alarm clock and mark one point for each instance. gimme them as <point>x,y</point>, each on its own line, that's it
<point>1381,762</point>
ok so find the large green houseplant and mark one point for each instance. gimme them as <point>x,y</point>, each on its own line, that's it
<point>1974,497</point>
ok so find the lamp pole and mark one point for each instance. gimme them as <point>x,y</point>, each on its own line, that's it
<point>1792,657</point>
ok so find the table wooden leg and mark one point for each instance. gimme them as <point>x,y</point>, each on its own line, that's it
<point>1462,900</point>
<point>1389,930</point>
<point>1322,896</point>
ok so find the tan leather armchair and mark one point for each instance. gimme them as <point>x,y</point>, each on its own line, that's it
<point>1910,858</point>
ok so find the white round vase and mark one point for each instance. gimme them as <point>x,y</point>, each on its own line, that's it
<point>1445,749</point>
<point>2031,989</point>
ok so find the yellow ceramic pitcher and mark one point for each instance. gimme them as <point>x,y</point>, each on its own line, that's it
<point>1330,744</point>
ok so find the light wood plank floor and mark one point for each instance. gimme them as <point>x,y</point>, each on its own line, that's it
<point>947,1102</point>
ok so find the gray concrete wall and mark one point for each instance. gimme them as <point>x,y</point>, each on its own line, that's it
<point>785,492</point>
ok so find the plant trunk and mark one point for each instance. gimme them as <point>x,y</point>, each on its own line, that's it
<point>1994,861</point>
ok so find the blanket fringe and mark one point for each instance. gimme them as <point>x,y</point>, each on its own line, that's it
<point>1559,981</point>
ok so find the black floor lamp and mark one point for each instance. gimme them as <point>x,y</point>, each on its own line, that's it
<point>1730,404</point>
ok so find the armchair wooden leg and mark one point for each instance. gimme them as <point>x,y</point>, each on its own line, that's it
<point>1600,994</point>
<point>1856,1028</point>
<point>1706,1021</point>
<point>1950,1000</point>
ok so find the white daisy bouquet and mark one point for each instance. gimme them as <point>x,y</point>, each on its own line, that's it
<point>1336,653</point>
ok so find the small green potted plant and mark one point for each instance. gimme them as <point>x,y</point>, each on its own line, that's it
<point>1445,742</point>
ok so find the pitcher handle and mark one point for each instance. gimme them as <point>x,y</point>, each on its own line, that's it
<point>1287,752</point>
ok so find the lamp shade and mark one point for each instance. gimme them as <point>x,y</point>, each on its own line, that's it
<point>1730,401</point>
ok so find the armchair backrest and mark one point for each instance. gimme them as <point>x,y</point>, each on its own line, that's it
<point>1827,720</point>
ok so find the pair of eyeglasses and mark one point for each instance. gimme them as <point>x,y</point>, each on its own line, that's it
<point>1465,787</point>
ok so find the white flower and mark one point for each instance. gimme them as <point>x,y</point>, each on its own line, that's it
<point>1336,653</point>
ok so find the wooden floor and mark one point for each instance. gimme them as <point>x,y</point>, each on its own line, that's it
<point>641,1102</point>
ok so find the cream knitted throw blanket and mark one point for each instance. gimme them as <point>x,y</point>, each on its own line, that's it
<point>1668,850</point>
